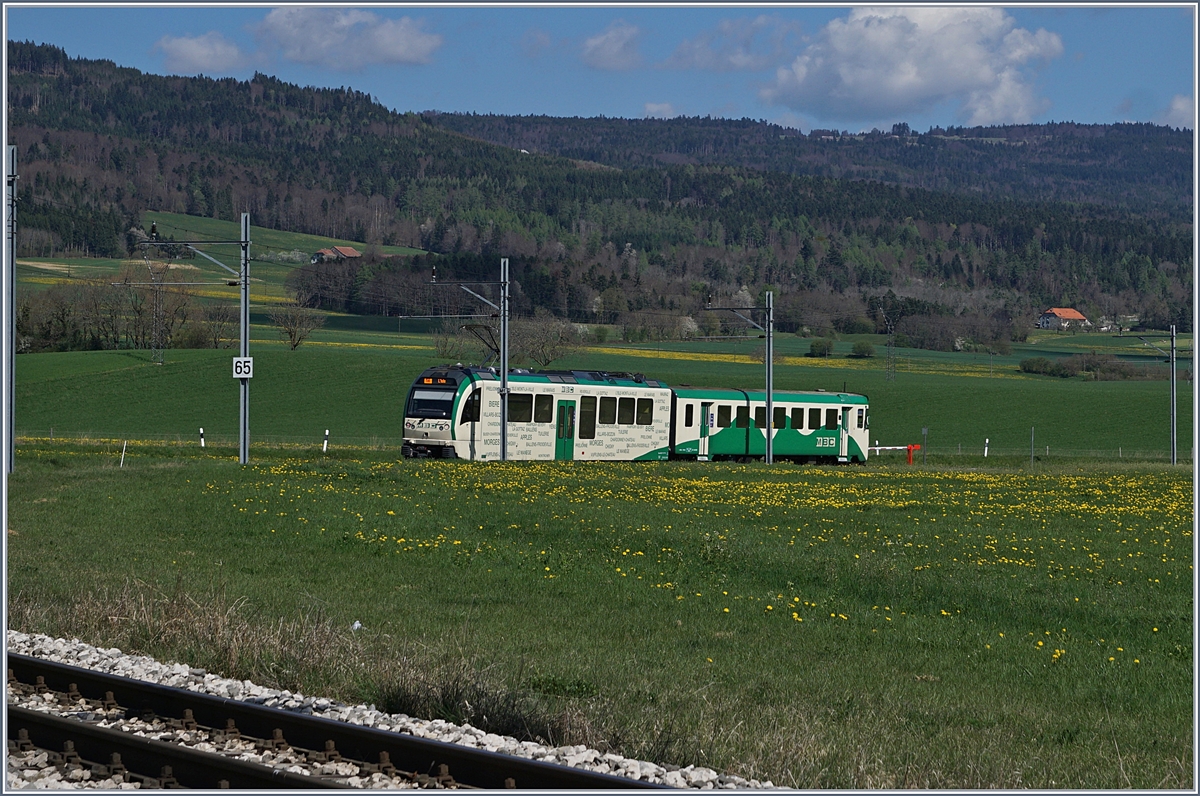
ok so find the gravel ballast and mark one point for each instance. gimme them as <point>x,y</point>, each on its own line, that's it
<point>113,661</point>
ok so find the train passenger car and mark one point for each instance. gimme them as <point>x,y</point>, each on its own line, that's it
<point>453,412</point>
<point>713,424</point>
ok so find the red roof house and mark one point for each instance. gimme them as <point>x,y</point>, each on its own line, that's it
<point>1062,318</point>
<point>335,254</point>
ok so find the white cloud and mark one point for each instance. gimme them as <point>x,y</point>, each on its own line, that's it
<point>660,110</point>
<point>210,54</point>
<point>346,39</point>
<point>886,62</point>
<point>736,44</point>
<point>1180,113</point>
<point>614,49</point>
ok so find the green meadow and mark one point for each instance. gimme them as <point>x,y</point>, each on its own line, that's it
<point>869,627</point>
<point>964,622</point>
<point>273,255</point>
<point>354,382</point>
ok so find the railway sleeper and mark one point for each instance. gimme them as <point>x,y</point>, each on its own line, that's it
<point>264,728</point>
<point>69,761</point>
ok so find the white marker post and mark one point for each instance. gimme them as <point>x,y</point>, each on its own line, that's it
<point>325,444</point>
<point>985,447</point>
<point>202,438</point>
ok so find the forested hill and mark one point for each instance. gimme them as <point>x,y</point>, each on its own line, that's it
<point>1143,167</point>
<point>639,245</point>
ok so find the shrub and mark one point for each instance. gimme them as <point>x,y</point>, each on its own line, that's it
<point>863,350</point>
<point>820,347</point>
<point>1036,365</point>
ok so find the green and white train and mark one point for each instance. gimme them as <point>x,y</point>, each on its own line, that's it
<point>453,412</point>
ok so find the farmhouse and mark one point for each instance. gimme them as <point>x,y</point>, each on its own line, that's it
<point>335,254</point>
<point>1062,318</point>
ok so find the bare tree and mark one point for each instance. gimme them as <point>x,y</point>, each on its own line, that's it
<point>542,338</point>
<point>453,343</point>
<point>218,323</point>
<point>295,322</point>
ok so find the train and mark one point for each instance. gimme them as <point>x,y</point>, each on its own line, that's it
<point>453,412</point>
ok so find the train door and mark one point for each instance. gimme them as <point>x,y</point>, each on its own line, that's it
<point>564,432</point>
<point>706,421</point>
<point>844,435</point>
<point>470,419</point>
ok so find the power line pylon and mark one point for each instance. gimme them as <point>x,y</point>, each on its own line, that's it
<point>158,321</point>
<point>889,371</point>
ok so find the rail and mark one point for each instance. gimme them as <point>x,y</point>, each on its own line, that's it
<point>432,763</point>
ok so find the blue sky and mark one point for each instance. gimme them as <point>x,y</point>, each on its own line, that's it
<point>851,67</point>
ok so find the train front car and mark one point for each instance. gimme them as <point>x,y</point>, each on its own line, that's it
<point>430,411</point>
<point>453,412</point>
<point>716,424</point>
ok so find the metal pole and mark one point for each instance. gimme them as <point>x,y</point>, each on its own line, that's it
<point>503,359</point>
<point>770,376</point>
<point>10,304</point>
<point>244,411</point>
<point>1174,446</point>
<point>1031,446</point>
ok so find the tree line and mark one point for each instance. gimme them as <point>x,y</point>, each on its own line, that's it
<point>598,242</point>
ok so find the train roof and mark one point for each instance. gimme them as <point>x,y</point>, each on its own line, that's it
<point>452,375</point>
<point>810,396</point>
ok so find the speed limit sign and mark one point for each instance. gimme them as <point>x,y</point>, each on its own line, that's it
<point>243,367</point>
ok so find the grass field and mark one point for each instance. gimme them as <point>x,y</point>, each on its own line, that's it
<point>354,382</point>
<point>971,623</point>
<point>820,627</point>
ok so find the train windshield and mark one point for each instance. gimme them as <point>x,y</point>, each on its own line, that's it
<point>430,403</point>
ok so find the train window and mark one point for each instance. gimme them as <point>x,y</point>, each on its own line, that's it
<point>814,418</point>
<point>625,411</point>
<point>587,417</point>
<point>831,418</point>
<point>780,418</point>
<point>860,417</point>
<point>470,412</point>
<point>543,409</point>
<point>689,415</point>
<point>645,411</point>
<point>743,417</point>
<point>520,407</point>
<point>723,417</point>
<point>798,418</point>
<point>608,411</point>
<point>868,419</point>
<point>431,403</point>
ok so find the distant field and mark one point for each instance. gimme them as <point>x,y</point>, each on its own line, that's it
<point>185,227</point>
<point>354,382</point>
<point>273,256</point>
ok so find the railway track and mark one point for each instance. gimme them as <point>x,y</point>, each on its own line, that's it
<point>188,739</point>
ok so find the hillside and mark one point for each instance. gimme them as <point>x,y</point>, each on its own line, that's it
<point>1143,168</point>
<point>638,245</point>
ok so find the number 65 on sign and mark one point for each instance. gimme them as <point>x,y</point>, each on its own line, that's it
<point>243,367</point>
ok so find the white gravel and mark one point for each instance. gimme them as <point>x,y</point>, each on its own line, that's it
<point>75,653</point>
